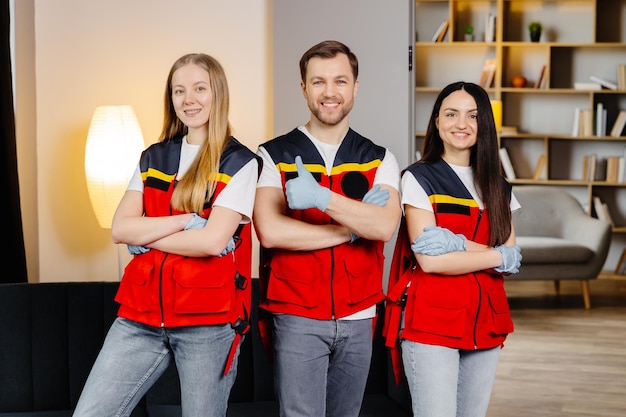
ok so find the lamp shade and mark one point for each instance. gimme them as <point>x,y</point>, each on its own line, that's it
<point>114,144</point>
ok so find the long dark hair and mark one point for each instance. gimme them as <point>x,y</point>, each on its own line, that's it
<point>484,159</point>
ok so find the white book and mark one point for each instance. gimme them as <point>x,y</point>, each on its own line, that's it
<point>579,85</point>
<point>604,83</point>
<point>576,126</point>
<point>490,28</point>
<point>600,116</point>
<point>619,124</point>
<point>506,164</point>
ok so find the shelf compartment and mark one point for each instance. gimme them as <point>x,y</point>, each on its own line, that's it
<point>563,21</point>
<point>463,61</point>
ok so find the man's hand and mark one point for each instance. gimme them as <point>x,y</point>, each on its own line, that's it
<point>374,196</point>
<point>304,192</point>
<point>437,240</point>
<point>511,259</point>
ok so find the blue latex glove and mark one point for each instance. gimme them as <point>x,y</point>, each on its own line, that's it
<point>137,249</point>
<point>511,259</point>
<point>437,240</point>
<point>304,192</point>
<point>196,222</point>
<point>228,249</point>
<point>374,196</point>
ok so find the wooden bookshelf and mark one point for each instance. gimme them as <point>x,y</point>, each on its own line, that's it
<point>580,39</point>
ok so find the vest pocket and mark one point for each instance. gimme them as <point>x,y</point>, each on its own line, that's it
<point>502,322</point>
<point>294,279</point>
<point>437,309</point>
<point>204,285</point>
<point>133,291</point>
<point>364,274</point>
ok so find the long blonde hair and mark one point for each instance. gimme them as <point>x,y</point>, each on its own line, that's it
<point>197,186</point>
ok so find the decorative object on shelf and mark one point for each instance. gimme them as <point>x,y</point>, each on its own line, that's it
<point>534,29</point>
<point>496,108</point>
<point>519,81</point>
<point>469,33</point>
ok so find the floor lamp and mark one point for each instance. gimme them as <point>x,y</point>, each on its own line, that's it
<point>114,144</point>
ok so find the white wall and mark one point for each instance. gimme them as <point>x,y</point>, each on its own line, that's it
<point>91,53</point>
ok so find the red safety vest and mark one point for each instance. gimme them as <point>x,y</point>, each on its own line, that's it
<point>167,290</point>
<point>331,282</point>
<point>468,311</point>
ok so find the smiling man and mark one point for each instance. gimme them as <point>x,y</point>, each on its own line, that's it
<point>327,200</point>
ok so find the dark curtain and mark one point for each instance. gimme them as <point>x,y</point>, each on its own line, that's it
<point>13,254</point>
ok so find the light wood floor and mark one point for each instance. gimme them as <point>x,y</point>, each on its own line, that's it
<point>563,360</point>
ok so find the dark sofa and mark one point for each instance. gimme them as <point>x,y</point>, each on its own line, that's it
<point>50,334</point>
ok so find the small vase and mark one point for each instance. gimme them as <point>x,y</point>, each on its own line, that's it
<point>535,36</point>
<point>469,37</point>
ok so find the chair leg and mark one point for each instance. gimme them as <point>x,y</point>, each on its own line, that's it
<point>557,286</point>
<point>584,286</point>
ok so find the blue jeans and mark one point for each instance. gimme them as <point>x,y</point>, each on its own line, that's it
<point>321,366</point>
<point>134,356</point>
<point>446,382</point>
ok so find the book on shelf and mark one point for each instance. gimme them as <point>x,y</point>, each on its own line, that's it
<point>580,85</point>
<point>585,123</point>
<point>618,126</point>
<point>540,169</point>
<point>612,168</point>
<point>441,31</point>
<point>539,81</point>
<point>621,167</point>
<point>490,27</point>
<point>603,82</point>
<point>621,76</point>
<point>600,120</point>
<point>506,164</point>
<point>589,167</point>
<point>576,125</point>
<point>487,74</point>
<point>602,210</point>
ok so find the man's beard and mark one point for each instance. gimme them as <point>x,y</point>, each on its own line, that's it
<point>331,120</point>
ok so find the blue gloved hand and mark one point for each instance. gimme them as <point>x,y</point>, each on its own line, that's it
<point>374,196</point>
<point>437,240</point>
<point>511,259</point>
<point>196,222</point>
<point>304,192</point>
<point>137,249</point>
<point>228,249</point>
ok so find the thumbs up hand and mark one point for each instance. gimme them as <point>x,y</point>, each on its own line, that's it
<point>304,192</point>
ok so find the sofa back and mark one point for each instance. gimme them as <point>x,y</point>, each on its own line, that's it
<point>51,333</point>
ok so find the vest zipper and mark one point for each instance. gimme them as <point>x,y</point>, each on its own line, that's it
<point>161,290</point>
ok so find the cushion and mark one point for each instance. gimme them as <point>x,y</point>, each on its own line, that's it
<point>550,250</point>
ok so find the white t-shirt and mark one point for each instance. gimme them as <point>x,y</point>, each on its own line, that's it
<point>238,195</point>
<point>387,173</point>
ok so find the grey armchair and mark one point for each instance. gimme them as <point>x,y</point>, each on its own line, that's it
<point>559,240</point>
